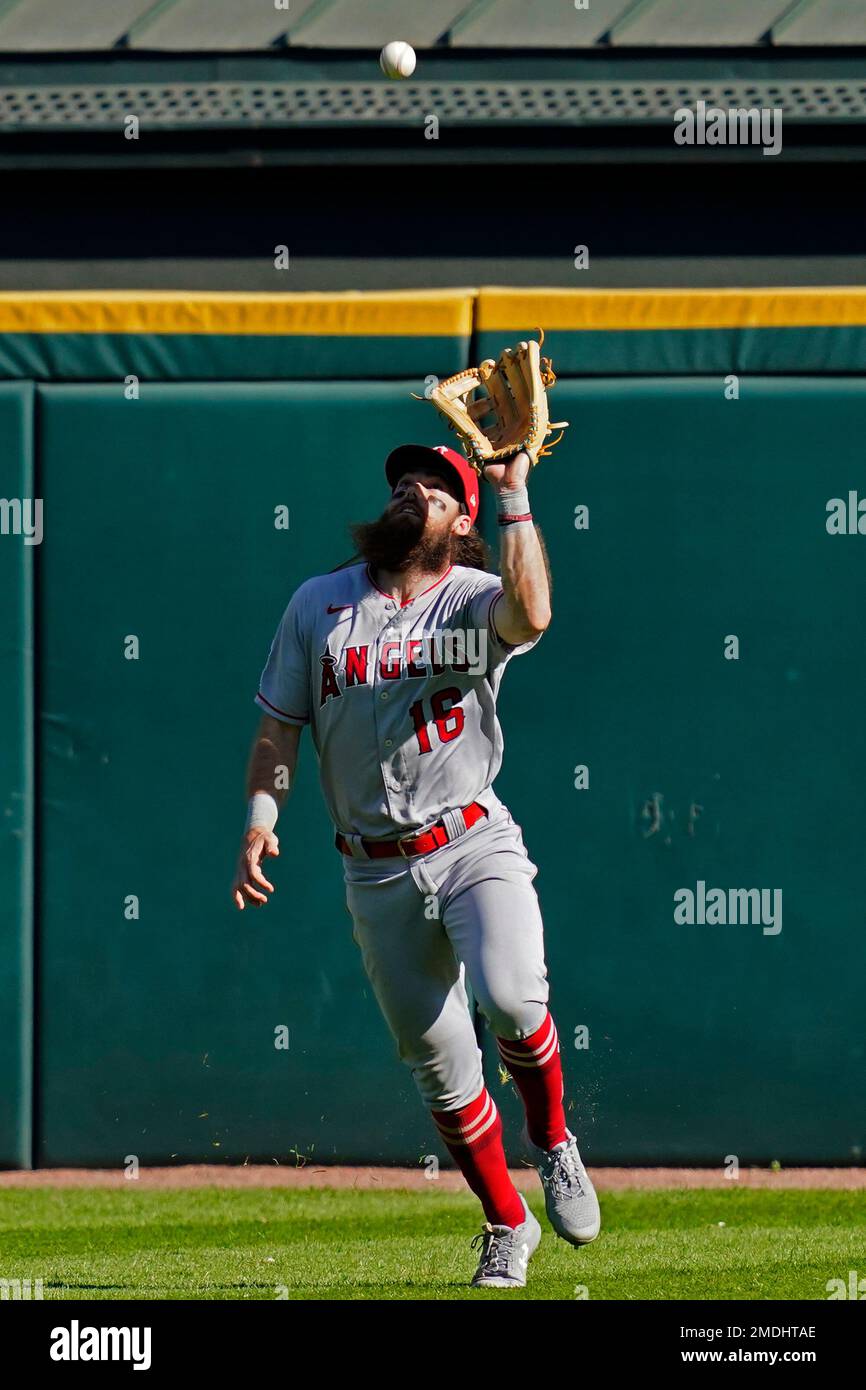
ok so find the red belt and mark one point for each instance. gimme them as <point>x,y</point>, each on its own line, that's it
<point>425,843</point>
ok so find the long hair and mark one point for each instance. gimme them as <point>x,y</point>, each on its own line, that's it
<point>470,550</point>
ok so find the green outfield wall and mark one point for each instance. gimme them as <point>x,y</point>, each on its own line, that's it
<point>16,770</point>
<point>641,760</point>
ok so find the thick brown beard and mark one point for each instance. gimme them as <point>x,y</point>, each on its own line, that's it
<point>399,543</point>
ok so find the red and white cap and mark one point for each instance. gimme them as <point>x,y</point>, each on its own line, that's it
<point>437,458</point>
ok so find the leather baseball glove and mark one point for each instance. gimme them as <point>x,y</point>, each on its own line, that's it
<point>500,408</point>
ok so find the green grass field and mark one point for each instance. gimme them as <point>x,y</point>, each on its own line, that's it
<point>209,1243</point>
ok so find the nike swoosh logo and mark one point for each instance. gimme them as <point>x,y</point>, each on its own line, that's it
<point>338,608</point>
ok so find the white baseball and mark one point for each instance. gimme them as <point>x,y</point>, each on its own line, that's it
<point>397,59</point>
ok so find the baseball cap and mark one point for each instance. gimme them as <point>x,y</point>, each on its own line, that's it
<point>438,458</point>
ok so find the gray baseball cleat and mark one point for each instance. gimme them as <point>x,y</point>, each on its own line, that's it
<point>505,1253</point>
<point>569,1196</point>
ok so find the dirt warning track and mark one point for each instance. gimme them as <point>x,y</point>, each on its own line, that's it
<point>415,1179</point>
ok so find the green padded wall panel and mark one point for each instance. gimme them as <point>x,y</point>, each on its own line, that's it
<point>157,1035</point>
<point>214,357</point>
<point>17,486</point>
<point>707,518</point>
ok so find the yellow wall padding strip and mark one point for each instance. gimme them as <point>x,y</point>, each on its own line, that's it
<point>510,311</point>
<point>395,313</point>
<point>423,313</point>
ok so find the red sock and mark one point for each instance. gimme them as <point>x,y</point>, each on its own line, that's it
<point>473,1137</point>
<point>536,1068</point>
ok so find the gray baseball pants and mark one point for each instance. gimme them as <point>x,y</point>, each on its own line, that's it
<point>426,924</point>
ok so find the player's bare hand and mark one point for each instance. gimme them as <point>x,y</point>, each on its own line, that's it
<point>249,882</point>
<point>511,474</point>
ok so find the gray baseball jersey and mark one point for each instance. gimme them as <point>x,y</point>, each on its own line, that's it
<point>400,699</point>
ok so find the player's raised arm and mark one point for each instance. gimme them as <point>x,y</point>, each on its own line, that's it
<point>523,612</point>
<point>270,776</point>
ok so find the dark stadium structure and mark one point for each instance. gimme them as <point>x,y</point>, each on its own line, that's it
<point>260,126</point>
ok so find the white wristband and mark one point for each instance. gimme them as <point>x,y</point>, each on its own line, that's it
<point>512,501</point>
<point>262,813</point>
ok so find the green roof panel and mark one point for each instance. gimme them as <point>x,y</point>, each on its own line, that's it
<point>823,22</point>
<point>39,26</point>
<point>59,27</point>
<point>348,24</point>
<point>697,23</point>
<point>515,23</point>
<point>200,25</point>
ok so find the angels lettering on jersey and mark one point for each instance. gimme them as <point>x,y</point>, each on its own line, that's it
<point>400,698</point>
<point>414,658</point>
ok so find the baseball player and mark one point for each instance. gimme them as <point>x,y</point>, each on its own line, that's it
<point>395,664</point>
